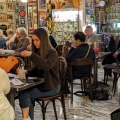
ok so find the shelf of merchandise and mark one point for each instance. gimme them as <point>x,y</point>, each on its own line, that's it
<point>65,9</point>
<point>112,10</point>
<point>64,26</point>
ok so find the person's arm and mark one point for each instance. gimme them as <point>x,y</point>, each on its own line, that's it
<point>45,64</point>
<point>24,45</point>
<point>10,40</point>
<point>72,54</point>
<point>5,82</point>
<point>32,72</point>
<point>53,41</point>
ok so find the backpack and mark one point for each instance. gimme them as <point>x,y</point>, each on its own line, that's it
<point>100,94</point>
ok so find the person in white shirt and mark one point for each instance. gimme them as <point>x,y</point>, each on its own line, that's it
<point>6,110</point>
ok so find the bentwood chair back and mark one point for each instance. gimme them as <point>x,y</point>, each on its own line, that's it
<point>85,78</point>
<point>43,102</point>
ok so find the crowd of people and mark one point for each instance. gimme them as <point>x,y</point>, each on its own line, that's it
<point>40,49</point>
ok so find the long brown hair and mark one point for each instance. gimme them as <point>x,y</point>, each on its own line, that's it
<point>44,42</point>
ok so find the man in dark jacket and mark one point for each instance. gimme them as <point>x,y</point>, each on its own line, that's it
<point>79,49</point>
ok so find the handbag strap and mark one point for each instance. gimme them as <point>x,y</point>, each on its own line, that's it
<point>87,52</point>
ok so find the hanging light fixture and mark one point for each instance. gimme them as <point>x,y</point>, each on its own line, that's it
<point>23,0</point>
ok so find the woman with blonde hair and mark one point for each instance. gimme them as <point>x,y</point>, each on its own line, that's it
<point>10,36</point>
<point>6,110</point>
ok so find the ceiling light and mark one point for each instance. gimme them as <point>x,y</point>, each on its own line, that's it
<point>23,0</point>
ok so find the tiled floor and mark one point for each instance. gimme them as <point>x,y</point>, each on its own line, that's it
<point>82,108</point>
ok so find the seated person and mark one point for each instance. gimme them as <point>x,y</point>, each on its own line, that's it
<point>6,110</point>
<point>90,36</point>
<point>45,65</point>
<point>79,50</point>
<point>2,40</point>
<point>114,48</point>
<point>21,39</point>
<point>114,44</point>
<point>10,36</point>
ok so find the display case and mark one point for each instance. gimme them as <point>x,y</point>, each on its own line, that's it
<point>64,23</point>
<point>112,10</point>
<point>32,17</point>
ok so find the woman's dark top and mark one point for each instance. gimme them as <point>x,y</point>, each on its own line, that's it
<point>47,68</point>
<point>80,52</point>
<point>2,42</point>
<point>52,41</point>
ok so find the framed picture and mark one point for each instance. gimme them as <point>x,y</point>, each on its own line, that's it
<point>10,18</point>
<point>2,7</point>
<point>43,19</point>
<point>10,7</point>
<point>42,5</point>
<point>3,17</point>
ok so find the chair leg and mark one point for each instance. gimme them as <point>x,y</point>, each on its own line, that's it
<point>82,84</point>
<point>90,90</point>
<point>115,80</point>
<point>43,109</point>
<point>55,109</point>
<point>71,91</point>
<point>63,106</point>
<point>104,74</point>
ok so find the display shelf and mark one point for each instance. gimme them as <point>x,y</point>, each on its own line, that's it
<point>67,22</point>
<point>64,23</point>
<point>112,10</point>
<point>65,9</point>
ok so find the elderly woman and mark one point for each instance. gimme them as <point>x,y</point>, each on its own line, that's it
<point>6,110</point>
<point>21,39</point>
<point>10,36</point>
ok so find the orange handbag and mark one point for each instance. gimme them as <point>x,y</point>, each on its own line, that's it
<point>8,63</point>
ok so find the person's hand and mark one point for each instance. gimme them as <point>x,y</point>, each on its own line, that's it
<point>115,54</point>
<point>18,70</point>
<point>89,43</point>
<point>73,45</point>
<point>26,53</point>
<point>29,47</point>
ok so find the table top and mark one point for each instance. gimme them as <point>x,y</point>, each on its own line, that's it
<point>6,53</point>
<point>27,85</point>
<point>101,54</point>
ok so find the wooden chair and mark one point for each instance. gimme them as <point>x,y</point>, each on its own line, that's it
<point>86,79</point>
<point>59,96</point>
<point>110,67</point>
<point>116,73</point>
<point>62,50</point>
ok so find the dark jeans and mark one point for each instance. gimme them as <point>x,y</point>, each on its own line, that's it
<point>27,98</point>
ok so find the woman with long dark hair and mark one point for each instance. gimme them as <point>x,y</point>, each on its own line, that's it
<point>45,64</point>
